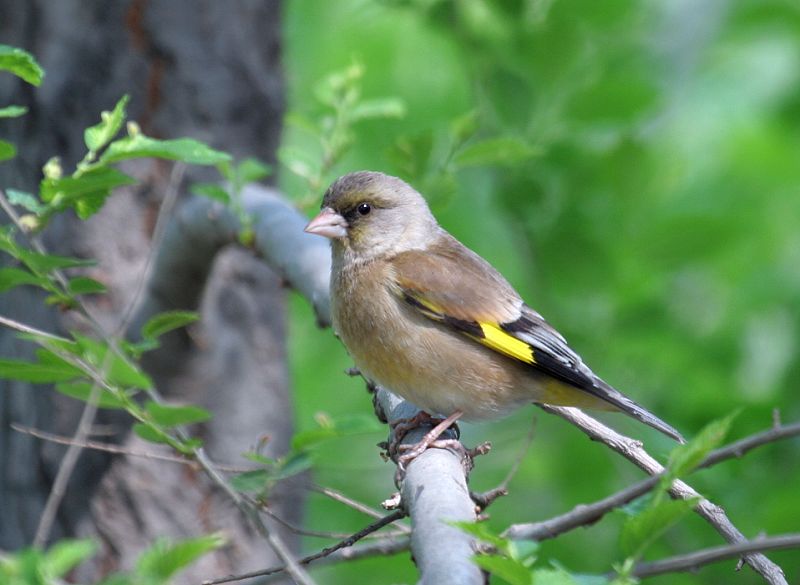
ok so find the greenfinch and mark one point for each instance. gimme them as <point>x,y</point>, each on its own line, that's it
<point>426,317</point>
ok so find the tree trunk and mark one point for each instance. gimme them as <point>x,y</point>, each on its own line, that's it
<point>198,68</point>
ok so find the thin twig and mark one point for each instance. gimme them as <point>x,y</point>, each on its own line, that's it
<point>634,452</point>
<point>23,328</point>
<point>739,448</point>
<point>66,467</point>
<point>382,547</point>
<point>349,541</point>
<point>697,559</point>
<point>356,505</point>
<point>320,533</point>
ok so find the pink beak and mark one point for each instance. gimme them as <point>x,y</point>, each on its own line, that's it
<point>328,224</point>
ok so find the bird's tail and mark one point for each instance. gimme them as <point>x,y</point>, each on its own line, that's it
<point>629,407</point>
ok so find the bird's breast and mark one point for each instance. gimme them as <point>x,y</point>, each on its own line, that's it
<point>437,369</point>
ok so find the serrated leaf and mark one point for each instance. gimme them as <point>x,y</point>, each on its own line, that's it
<point>96,137</point>
<point>26,200</point>
<point>21,63</point>
<point>165,322</point>
<point>162,560</point>
<point>182,149</point>
<point>37,373</point>
<point>168,415</point>
<point>148,433</point>
<point>252,169</point>
<point>640,531</point>
<point>13,277</point>
<point>251,481</point>
<point>83,285</point>
<point>503,150</point>
<point>83,390</point>
<point>378,108</point>
<point>7,150</point>
<point>507,569</point>
<point>684,458</point>
<point>66,554</point>
<point>212,191</point>
<point>13,111</point>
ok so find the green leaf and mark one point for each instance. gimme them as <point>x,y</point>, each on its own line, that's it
<point>66,554</point>
<point>378,108</point>
<point>345,426</point>
<point>165,322</point>
<point>118,371</point>
<point>464,127</point>
<point>162,560</point>
<point>182,149</point>
<point>148,433</point>
<point>503,150</point>
<point>640,531</point>
<point>83,390</point>
<point>170,416</point>
<point>7,150</point>
<point>252,481</point>
<point>482,532</point>
<point>25,200</point>
<point>83,285</point>
<point>13,277</point>
<point>684,458</point>
<point>37,373</point>
<point>13,111</point>
<point>85,192</point>
<point>96,137</point>
<point>252,169</point>
<point>507,569</point>
<point>44,263</point>
<point>212,191</point>
<point>20,63</point>
<point>292,465</point>
<point>557,576</point>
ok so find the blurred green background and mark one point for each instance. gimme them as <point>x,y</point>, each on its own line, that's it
<point>633,168</point>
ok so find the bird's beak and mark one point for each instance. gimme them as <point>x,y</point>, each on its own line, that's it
<point>328,224</point>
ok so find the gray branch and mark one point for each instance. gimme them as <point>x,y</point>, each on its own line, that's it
<point>695,560</point>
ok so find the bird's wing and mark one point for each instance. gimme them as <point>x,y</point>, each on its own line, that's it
<point>450,284</point>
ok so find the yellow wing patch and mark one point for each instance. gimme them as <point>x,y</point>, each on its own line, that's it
<point>500,341</point>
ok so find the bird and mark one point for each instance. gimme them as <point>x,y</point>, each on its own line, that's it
<point>429,319</point>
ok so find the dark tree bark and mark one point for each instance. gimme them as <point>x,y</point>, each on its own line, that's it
<point>199,68</point>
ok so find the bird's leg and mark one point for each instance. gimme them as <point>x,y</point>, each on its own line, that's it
<point>431,437</point>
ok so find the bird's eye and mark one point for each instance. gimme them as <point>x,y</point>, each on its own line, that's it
<point>364,208</point>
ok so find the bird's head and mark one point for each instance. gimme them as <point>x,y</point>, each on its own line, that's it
<point>370,214</point>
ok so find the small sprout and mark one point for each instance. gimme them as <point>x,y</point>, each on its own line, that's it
<point>52,169</point>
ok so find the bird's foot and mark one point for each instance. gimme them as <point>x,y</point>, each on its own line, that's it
<point>404,454</point>
<point>402,427</point>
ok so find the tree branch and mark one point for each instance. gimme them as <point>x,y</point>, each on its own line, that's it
<point>347,542</point>
<point>634,452</point>
<point>586,514</point>
<point>697,559</point>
